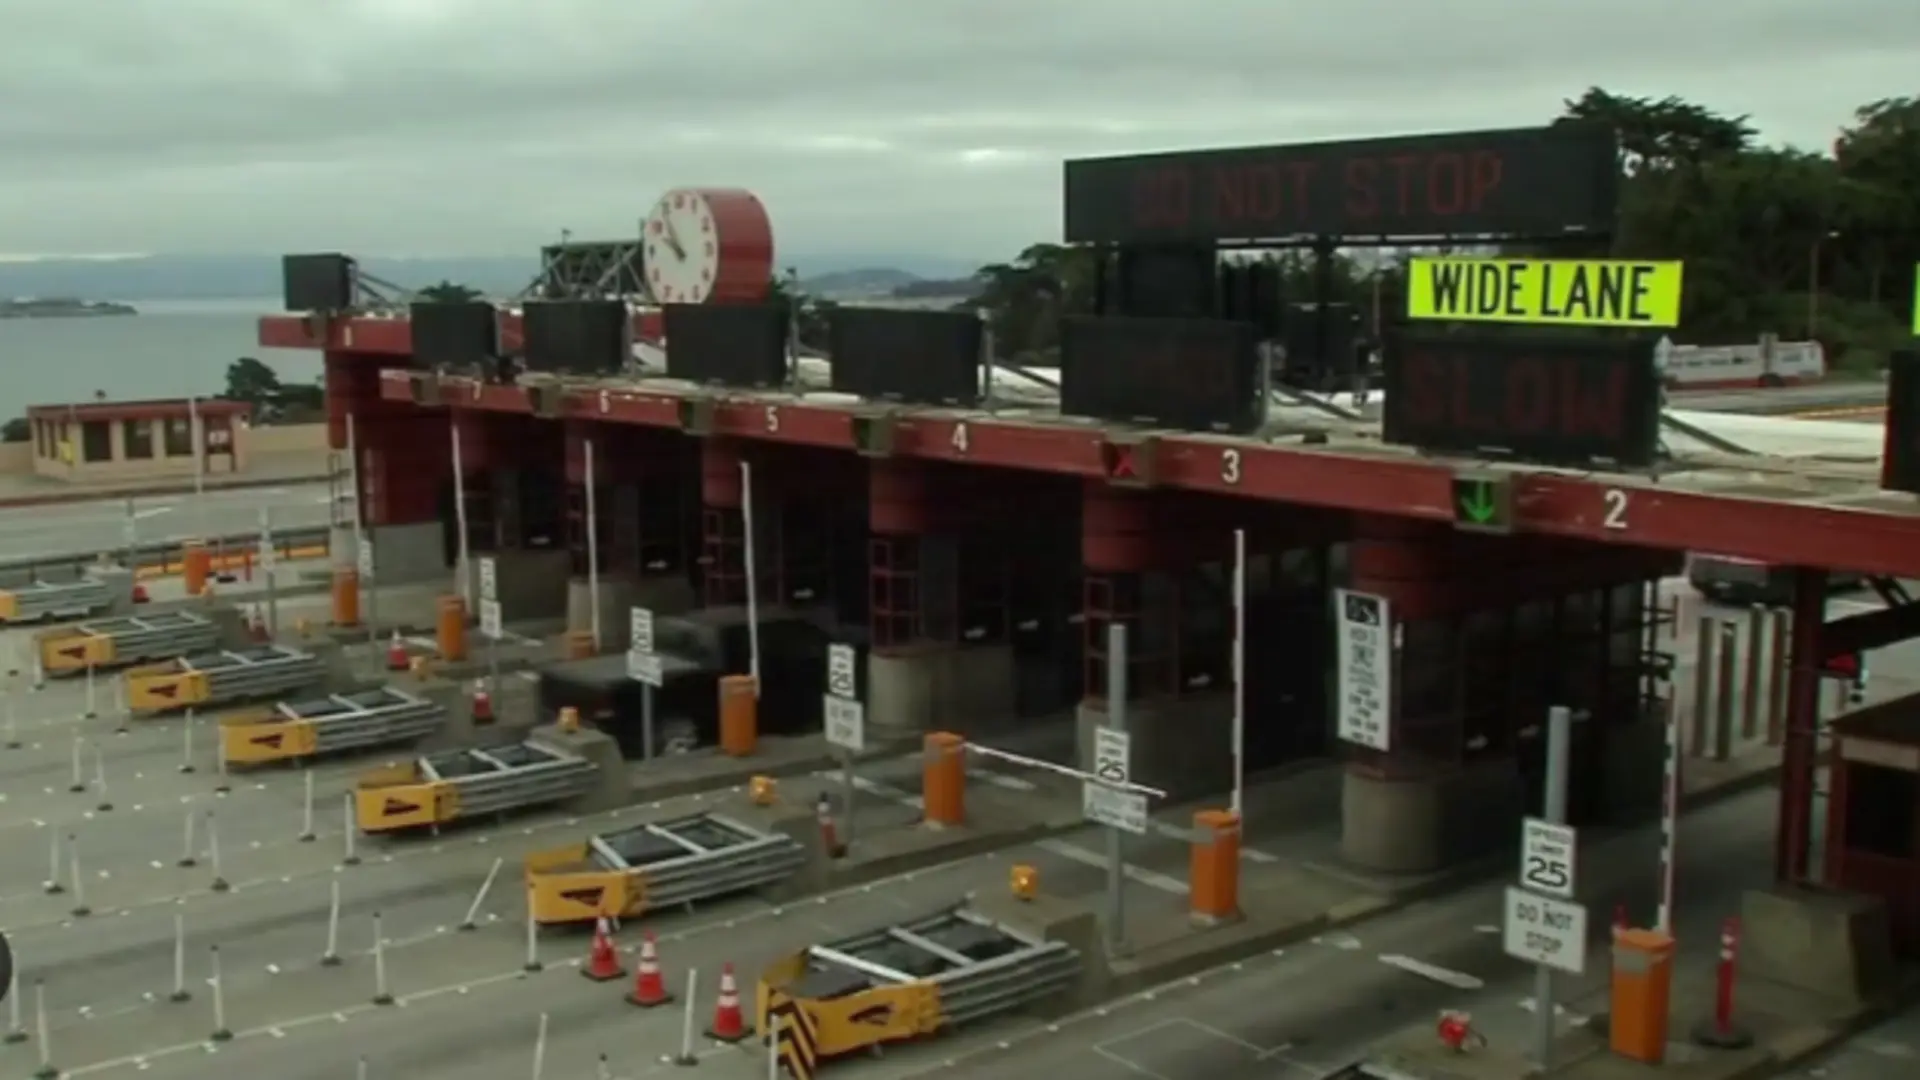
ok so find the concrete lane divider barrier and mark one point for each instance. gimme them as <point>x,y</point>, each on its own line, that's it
<point>326,725</point>
<point>907,980</point>
<point>663,864</point>
<point>580,768</point>
<point>222,677</point>
<point>75,650</point>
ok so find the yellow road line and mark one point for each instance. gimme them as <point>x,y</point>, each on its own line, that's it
<point>1839,412</point>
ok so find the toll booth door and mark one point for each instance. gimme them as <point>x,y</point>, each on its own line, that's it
<point>1290,655</point>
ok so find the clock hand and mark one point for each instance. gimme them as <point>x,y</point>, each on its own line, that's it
<point>673,240</point>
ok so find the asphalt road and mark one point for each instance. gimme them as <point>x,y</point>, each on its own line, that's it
<point>1298,1013</point>
<point>67,528</point>
<point>1886,1050</point>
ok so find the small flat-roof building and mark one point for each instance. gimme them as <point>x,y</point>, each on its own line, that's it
<point>138,440</point>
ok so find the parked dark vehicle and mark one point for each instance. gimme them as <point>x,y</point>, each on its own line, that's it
<point>695,650</point>
<point>1743,581</point>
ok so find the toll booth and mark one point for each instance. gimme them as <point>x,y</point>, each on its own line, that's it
<point>1873,813</point>
<point>657,864</point>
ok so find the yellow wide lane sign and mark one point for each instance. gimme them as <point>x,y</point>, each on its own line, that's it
<point>1546,292</point>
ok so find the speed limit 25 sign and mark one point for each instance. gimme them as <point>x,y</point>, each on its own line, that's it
<point>1547,854</point>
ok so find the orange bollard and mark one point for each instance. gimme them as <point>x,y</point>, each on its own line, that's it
<point>739,715</point>
<point>1213,869</point>
<point>943,779</point>
<point>196,565</point>
<point>579,644</point>
<point>1641,992</point>
<point>451,629</point>
<point>346,596</point>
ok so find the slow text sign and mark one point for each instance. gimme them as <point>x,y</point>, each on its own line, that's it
<point>1550,400</point>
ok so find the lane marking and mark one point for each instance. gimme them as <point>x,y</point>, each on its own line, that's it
<point>1149,878</point>
<point>1459,980</point>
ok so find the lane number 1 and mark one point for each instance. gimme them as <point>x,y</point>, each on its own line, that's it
<point>1614,515</point>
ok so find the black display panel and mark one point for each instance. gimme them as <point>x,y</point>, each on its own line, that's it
<point>1536,182</point>
<point>1900,463</point>
<point>1552,400</point>
<point>321,282</point>
<point>922,357</point>
<point>463,333</point>
<point>739,345</point>
<point>1191,374</point>
<point>576,337</point>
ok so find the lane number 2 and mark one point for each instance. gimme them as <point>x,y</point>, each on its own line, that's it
<point>1230,466</point>
<point>1614,515</point>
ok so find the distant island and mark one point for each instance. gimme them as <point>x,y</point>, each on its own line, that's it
<point>62,308</point>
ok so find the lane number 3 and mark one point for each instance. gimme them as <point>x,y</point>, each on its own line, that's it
<point>1614,513</point>
<point>1230,466</point>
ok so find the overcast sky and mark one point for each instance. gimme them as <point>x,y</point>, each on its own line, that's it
<point>922,126</point>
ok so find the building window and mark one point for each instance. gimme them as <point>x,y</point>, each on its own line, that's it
<point>96,440</point>
<point>179,437</point>
<point>138,438</point>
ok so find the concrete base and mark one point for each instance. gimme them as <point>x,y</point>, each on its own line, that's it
<point>532,585</point>
<point>1410,826</point>
<point>1830,944</point>
<point>407,554</point>
<point>938,688</point>
<point>515,712</point>
<point>1070,921</point>
<point>619,595</point>
<point>1183,747</point>
<point>610,789</point>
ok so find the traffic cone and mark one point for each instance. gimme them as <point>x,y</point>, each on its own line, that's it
<point>482,703</point>
<point>829,832</point>
<point>649,986</point>
<point>140,593</point>
<point>397,659</point>
<point>603,962</point>
<point>728,1025</point>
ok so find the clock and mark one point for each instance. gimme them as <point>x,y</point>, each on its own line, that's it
<point>708,245</point>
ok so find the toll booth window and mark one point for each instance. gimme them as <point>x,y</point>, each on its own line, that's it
<point>96,440</point>
<point>178,437</point>
<point>137,437</point>
<point>1430,689</point>
<point>1484,683</point>
<point>1881,806</point>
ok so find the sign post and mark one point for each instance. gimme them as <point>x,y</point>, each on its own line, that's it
<point>1365,659</point>
<point>266,559</point>
<point>1108,798</point>
<point>363,558</point>
<point>463,558</point>
<point>1543,925</point>
<point>643,665</point>
<point>492,627</point>
<point>844,718</point>
<point>130,529</point>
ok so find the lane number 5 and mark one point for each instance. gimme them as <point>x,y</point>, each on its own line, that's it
<point>1614,515</point>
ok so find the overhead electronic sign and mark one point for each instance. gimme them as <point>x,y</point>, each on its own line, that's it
<point>1547,292</point>
<point>922,357</point>
<point>1551,400</point>
<point>1536,182</point>
<point>576,337</point>
<point>739,345</point>
<point>1900,461</point>
<point>321,282</point>
<point>458,334</point>
<point>1191,374</point>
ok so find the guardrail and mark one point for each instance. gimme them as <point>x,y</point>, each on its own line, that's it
<point>230,554</point>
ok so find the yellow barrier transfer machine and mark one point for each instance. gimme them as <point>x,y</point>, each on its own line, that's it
<point>905,981</point>
<point>91,592</point>
<point>221,677</point>
<point>655,865</point>
<point>295,730</point>
<point>438,789</point>
<point>135,639</point>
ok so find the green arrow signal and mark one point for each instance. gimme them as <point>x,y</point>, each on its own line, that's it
<point>1477,503</point>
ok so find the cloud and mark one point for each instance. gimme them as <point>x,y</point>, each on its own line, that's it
<point>936,126</point>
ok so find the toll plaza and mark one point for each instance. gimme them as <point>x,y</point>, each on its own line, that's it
<point>959,697</point>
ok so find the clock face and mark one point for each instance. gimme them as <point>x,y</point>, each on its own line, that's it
<point>682,248</point>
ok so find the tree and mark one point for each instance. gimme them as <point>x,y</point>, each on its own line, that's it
<point>16,430</point>
<point>251,381</point>
<point>448,292</point>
